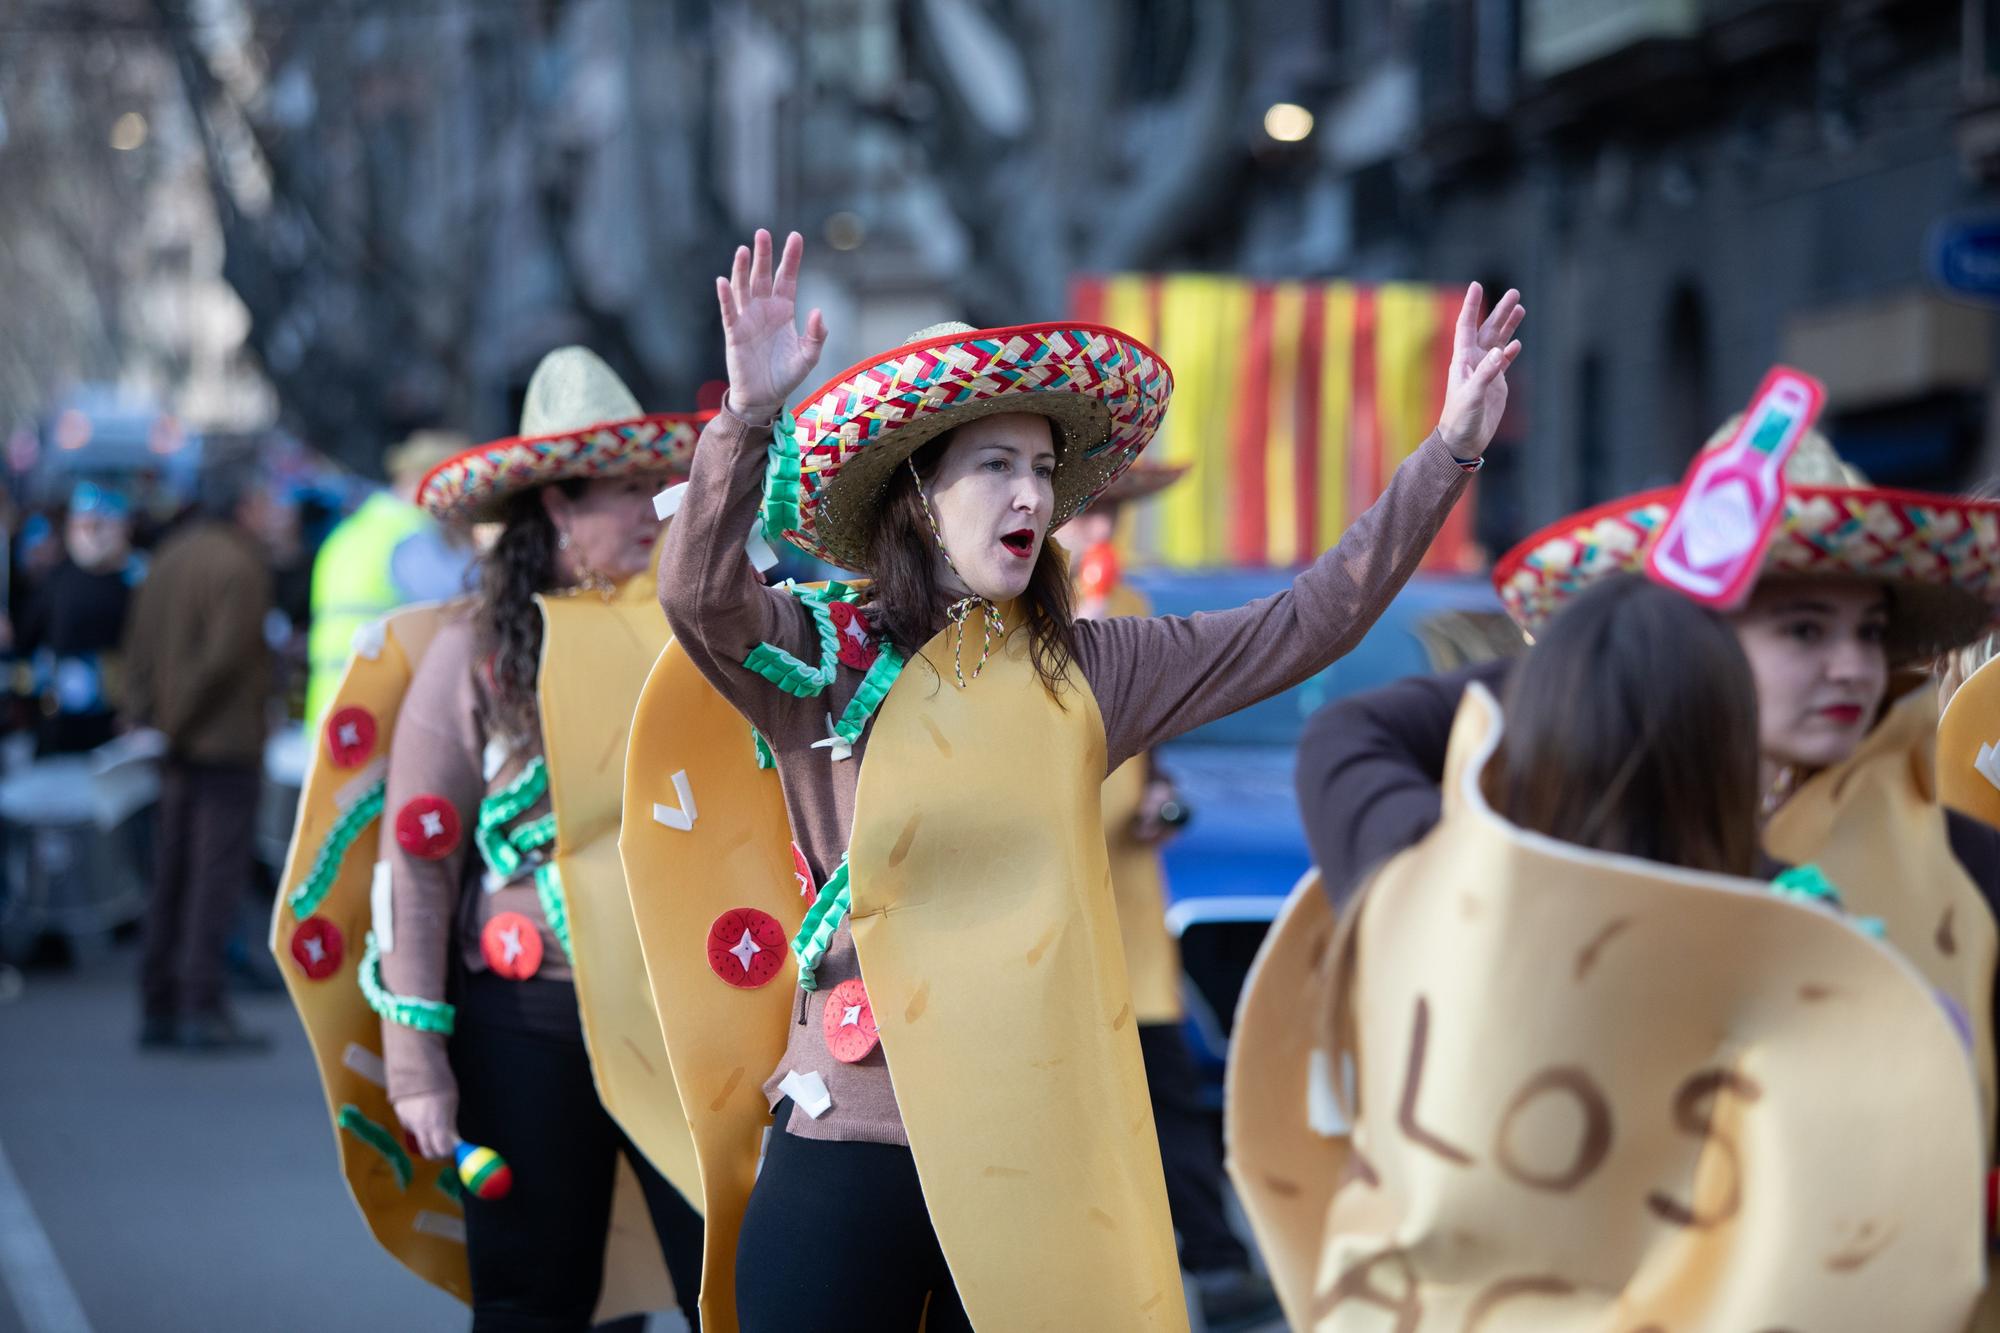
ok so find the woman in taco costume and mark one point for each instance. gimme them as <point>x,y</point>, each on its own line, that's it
<point>1141,811</point>
<point>1562,1065</point>
<point>1860,589</point>
<point>485,735</point>
<point>940,1012</point>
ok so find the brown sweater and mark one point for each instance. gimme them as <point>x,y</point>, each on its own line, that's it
<point>1153,677</point>
<point>196,663</point>
<point>441,748</point>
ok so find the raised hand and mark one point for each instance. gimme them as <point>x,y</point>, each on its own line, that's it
<point>1475,395</point>
<point>766,354</point>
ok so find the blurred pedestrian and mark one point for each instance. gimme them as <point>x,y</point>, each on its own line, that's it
<point>76,620</point>
<point>198,670</point>
<point>387,553</point>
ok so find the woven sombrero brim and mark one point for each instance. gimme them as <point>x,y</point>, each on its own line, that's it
<point>1938,554</point>
<point>474,486</point>
<point>1104,392</point>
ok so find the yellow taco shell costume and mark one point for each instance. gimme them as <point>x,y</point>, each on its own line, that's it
<point>1595,1093</point>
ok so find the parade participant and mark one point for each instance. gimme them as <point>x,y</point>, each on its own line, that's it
<point>1463,1131</point>
<point>1859,586</point>
<point>471,937</point>
<point>948,821</point>
<point>1141,811</point>
<point>387,553</point>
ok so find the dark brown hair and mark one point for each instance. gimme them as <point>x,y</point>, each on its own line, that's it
<point>906,599</point>
<point>1631,727</point>
<point>521,564</point>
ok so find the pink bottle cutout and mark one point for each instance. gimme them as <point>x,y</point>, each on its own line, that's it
<point>1734,497</point>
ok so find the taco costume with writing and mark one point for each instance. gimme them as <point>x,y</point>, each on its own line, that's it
<point>935,962</point>
<point>1873,823</point>
<point>1704,1105</point>
<point>454,919</point>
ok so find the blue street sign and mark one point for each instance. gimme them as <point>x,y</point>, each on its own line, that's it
<point>1964,254</point>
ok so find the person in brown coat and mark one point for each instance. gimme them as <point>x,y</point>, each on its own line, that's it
<point>199,670</point>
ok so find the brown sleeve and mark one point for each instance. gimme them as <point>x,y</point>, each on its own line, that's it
<point>718,607</point>
<point>1156,677</point>
<point>234,598</point>
<point>437,751</point>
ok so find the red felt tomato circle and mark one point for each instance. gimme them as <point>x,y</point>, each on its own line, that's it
<point>427,827</point>
<point>350,736</point>
<point>318,948</point>
<point>803,872</point>
<point>849,1022</point>
<point>746,947</point>
<point>858,648</point>
<point>512,945</point>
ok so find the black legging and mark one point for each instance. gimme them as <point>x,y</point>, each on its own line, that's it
<point>537,1256</point>
<point>837,1239</point>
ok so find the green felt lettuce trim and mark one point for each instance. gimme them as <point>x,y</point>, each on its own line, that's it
<point>312,890</point>
<point>765,757</point>
<point>447,1183</point>
<point>868,696</point>
<point>782,491</point>
<point>381,1140</point>
<point>555,909</point>
<point>534,835</point>
<point>823,919</point>
<point>1808,883</point>
<point>501,853</point>
<point>402,1010</point>
<point>788,673</point>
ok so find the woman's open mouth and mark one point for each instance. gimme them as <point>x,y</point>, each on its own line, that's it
<point>1843,715</point>
<point>1021,542</point>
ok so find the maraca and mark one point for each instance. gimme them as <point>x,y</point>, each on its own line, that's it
<point>483,1172</point>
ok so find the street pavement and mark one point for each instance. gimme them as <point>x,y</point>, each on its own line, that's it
<point>177,1192</point>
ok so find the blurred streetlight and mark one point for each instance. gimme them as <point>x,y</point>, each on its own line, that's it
<point>1288,122</point>
<point>128,131</point>
<point>846,231</point>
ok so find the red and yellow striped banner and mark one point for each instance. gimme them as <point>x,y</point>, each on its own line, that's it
<point>1294,401</point>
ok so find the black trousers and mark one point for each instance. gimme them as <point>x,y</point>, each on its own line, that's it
<point>837,1240</point>
<point>1190,1152</point>
<point>537,1256</point>
<point>204,848</point>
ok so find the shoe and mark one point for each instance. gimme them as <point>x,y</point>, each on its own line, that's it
<point>1235,1298</point>
<point>219,1033</point>
<point>158,1032</point>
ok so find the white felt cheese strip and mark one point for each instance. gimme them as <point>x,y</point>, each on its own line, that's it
<point>807,1091</point>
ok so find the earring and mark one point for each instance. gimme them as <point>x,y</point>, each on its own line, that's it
<point>562,541</point>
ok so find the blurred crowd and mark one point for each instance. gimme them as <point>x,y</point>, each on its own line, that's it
<point>162,650</point>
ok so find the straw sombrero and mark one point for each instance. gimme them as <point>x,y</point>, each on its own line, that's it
<point>579,421</point>
<point>1103,391</point>
<point>1939,553</point>
<point>1141,481</point>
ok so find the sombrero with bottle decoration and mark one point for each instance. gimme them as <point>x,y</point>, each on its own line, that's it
<point>1939,554</point>
<point>578,422</point>
<point>1104,392</point>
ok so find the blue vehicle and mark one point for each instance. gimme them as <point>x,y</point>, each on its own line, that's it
<point>1230,870</point>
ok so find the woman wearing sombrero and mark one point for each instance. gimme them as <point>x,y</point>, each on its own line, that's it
<point>481,938</point>
<point>941,737</point>
<point>1860,588</point>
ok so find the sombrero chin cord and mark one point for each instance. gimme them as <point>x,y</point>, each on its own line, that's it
<point>961,610</point>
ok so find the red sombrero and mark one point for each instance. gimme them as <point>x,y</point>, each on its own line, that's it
<point>1103,391</point>
<point>1940,553</point>
<point>578,421</point>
